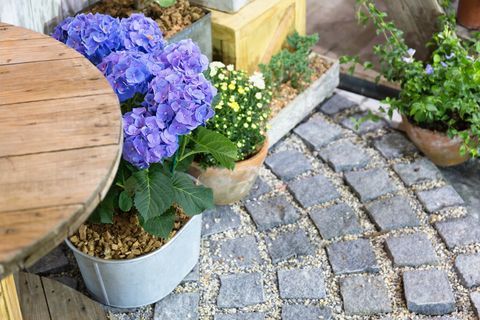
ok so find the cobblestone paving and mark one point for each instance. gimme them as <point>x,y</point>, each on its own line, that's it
<point>342,224</point>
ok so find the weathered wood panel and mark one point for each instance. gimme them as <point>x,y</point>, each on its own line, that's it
<point>256,32</point>
<point>418,20</point>
<point>32,297</point>
<point>39,15</point>
<point>19,51</point>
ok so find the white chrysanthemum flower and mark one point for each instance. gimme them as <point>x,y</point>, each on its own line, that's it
<point>221,76</point>
<point>230,67</point>
<point>216,65</point>
<point>258,95</point>
<point>257,80</point>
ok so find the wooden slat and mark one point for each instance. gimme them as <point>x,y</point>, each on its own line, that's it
<point>9,304</point>
<point>32,297</point>
<point>9,32</point>
<point>24,229</point>
<point>20,51</point>
<point>64,303</point>
<point>80,172</point>
<point>64,123</point>
<point>50,80</point>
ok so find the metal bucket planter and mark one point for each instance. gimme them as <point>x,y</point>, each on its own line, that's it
<point>230,6</point>
<point>200,32</point>
<point>144,280</point>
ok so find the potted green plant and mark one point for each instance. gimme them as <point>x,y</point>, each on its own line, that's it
<point>144,237</point>
<point>241,114</point>
<point>439,98</point>
<point>177,19</point>
<point>300,80</point>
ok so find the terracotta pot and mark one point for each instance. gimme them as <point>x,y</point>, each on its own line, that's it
<point>468,13</point>
<point>437,146</point>
<point>231,185</point>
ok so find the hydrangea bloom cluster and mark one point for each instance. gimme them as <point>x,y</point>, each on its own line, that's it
<point>127,72</point>
<point>132,56</point>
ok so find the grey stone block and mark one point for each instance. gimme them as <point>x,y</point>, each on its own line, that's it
<point>366,126</point>
<point>288,164</point>
<point>240,290</point>
<point>241,316</point>
<point>220,219</point>
<point>259,189</point>
<point>392,213</point>
<point>242,252</point>
<point>288,245</point>
<point>468,269</point>
<point>271,213</point>
<point>428,292</point>
<point>370,184</point>
<point>365,295</point>
<point>194,275</point>
<point>336,221</point>
<point>53,262</point>
<point>313,190</point>
<point>475,297</point>
<point>317,132</point>
<point>395,145</point>
<point>421,170</point>
<point>459,232</point>
<point>411,250</point>
<point>297,312</point>
<point>336,104</point>
<point>177,307</point>
<point>352,256</point>
<point>301,284</point>
<point>344,156</point>
<point>440,198</point>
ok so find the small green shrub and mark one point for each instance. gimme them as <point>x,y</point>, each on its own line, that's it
<point>291,65</point>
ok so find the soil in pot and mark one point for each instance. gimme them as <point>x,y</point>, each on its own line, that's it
<point>123,239</point>
<point>287,93</point>
<point>171,20</point>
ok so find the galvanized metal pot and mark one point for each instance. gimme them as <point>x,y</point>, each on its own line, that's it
<point>144,280</point>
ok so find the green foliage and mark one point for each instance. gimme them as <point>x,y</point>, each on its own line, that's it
<point>156,193</point>
<point>241,115</point>
<point>291,65</point>
<point>165,3</point>
<point>442,93</point>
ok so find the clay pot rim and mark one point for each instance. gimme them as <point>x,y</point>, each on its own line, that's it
<point>443,134</point>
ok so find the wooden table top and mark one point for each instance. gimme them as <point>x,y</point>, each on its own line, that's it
<point>60,143</point>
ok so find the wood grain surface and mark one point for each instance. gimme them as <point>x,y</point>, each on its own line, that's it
<point>60,143</point>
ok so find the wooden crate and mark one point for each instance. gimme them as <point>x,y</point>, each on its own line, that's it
<point>256,32</point>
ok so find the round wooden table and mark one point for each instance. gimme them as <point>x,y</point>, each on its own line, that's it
<point>60,145</point>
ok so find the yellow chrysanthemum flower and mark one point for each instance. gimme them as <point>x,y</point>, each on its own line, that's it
<point>234,105</point>
<point>231,86</point>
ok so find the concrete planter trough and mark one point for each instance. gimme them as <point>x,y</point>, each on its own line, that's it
<point>230,6</point>
<point>300,107</point>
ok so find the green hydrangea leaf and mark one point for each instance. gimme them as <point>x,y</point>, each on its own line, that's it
<point>216,144</point>
<point>165,3</point>
<point>104,212</point>
<point>125,201</point>
<point>162,225</point>
<point>154,194</point>
<point>191,198</point>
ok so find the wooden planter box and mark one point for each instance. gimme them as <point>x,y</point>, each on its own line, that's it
<point>300,107</point>
<point>256,32</point>
<point>230,6</point>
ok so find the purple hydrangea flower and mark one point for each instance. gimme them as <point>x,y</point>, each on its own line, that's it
<point>93,35</point>
<point>127,72</point>
<point>429,69</point>
<point>142,34</point>
<point>145,142</point>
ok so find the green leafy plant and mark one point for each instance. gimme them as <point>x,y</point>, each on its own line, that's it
<point>153,193</point>
<point>440,94</point>
<point>291,65</point>
<point>242,108</point>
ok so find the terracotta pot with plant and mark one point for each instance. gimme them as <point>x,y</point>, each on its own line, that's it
<point>439,98</point>
<point>241,114</point>
<point>144,237</point>
<point>468,13</point>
